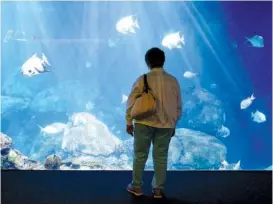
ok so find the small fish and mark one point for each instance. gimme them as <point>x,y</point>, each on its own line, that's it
<point>237,166</point>
<point>213,86</point>
<point>190,122</point>
<point>18,36</point>
<point>173,40</point>
<point>54,128</point>
<point>224,163</point>
<point>223,132</point>
<point>226,166</point>
<point>113,42</point>
<point>256,41</point>
<point>8,36</point>
<point>127,24</point>
<point>247,102</point>
<point>258,117</point>
<point>124,99</point>
<point>34,66</point>
<point>89,106</point>
<point>189,74</point>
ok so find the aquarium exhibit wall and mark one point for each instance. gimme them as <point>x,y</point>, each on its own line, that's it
<point>67,69</point>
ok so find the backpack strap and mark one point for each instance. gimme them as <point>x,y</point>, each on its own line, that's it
<point>146,86</point>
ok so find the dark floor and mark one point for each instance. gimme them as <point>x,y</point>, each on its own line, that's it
<point>107,187</point>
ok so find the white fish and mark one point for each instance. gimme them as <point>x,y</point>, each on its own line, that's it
<point>124,98</point>
<point>8,36</point>
<point>258,117</point>
<point>54,128</point>
<point>237,166</point>
<point>18,36</point>
<point>113,42</point>
<point>224,163</point>
<point>127,24</point>
<point>89,106</point>
<point>34,66</point>
<point>247,102</point>
<point>189,74</point>
<point>174,40</point>
<point>223,132</point>
<point>256,41</point>
<point>226,166</point>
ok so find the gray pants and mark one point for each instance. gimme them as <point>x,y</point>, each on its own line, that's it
<point>160,137</point>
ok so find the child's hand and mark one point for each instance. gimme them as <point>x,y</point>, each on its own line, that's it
<point>130,129</point>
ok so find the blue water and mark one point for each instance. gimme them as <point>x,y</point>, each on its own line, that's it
<point>90,71</point>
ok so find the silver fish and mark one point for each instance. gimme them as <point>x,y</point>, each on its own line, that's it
<point>256,41</point>
<point>258,117</point>
<point>247,102</point>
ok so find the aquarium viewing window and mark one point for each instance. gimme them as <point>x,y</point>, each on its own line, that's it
<point>68,68</point>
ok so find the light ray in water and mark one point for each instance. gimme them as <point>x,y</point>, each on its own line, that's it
<point>174,21</point>
<point>205,24</point>
<point>202,33</point>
